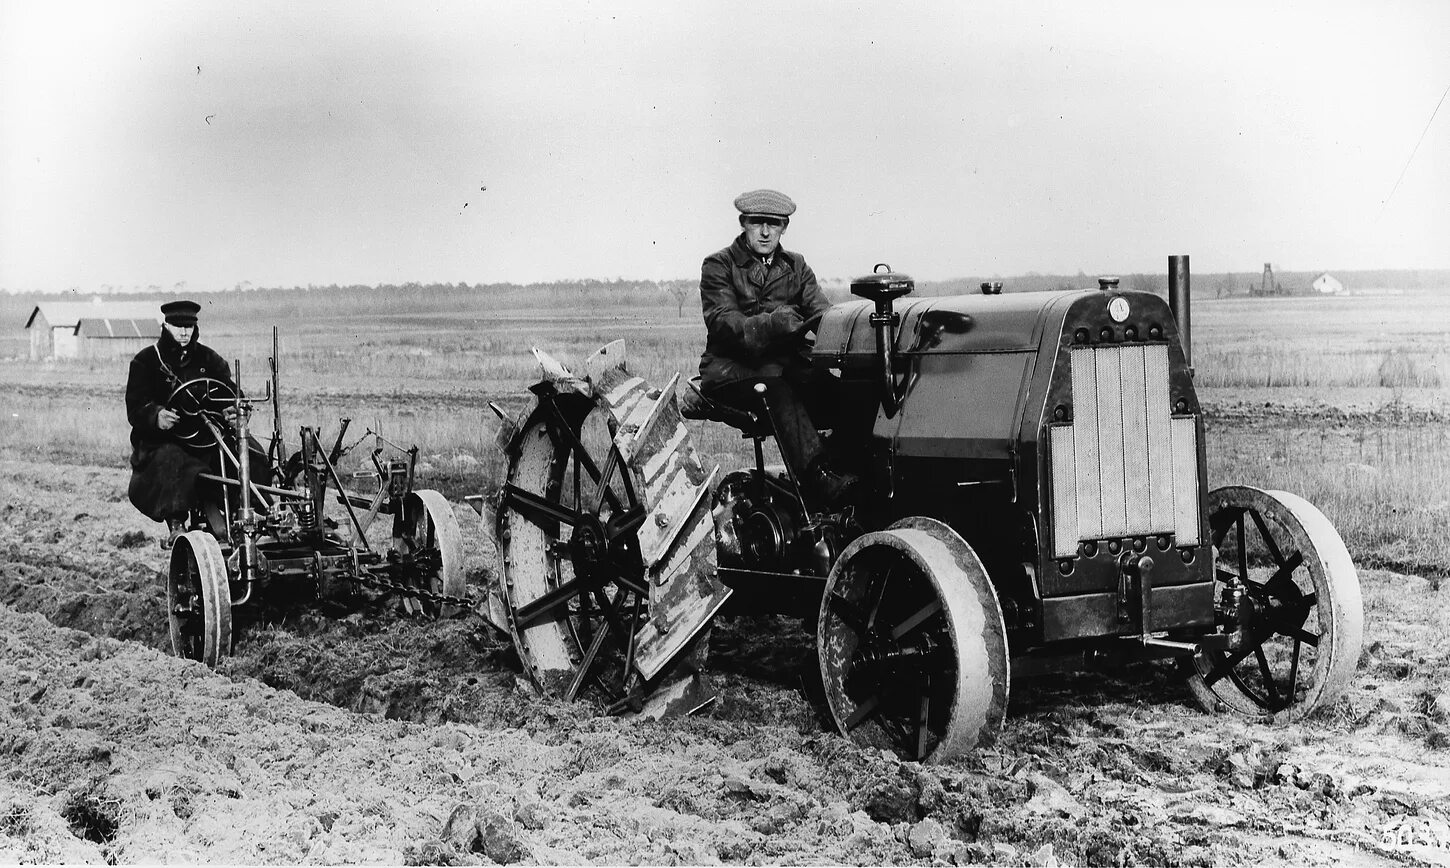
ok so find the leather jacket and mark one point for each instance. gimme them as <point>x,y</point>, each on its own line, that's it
<point>738,293</point>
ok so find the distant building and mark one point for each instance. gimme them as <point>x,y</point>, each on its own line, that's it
<point>1328,284</point>
<point>95,330</point>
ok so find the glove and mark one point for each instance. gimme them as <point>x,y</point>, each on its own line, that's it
<point>785,321</point>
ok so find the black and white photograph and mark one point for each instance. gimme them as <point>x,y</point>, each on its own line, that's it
<point>654,433</point>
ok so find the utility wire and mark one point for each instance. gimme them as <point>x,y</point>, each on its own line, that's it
<point>1386,202</point>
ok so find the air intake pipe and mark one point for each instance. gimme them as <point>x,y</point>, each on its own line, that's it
<point>882,287</point>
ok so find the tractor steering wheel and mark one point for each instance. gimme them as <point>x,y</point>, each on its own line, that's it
<point>195,401</point>
<point>805,335</point>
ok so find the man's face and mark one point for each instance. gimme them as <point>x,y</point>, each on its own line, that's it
<point>762,234</point>
<point>179,333</point>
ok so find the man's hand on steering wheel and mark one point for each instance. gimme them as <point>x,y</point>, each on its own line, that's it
<point>166,419</point>
<point>200,403</point>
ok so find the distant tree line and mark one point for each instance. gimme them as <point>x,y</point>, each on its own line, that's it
<point>676,297</point>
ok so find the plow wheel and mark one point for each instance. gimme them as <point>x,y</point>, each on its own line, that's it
<point>199,599</point>
<point>576,588</point>
<point>913,649</point>
<point>1301,619</point>
<point>430,540</point>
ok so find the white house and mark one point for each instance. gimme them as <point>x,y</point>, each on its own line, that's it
<point>95,329</point>
<point>1328,284</point>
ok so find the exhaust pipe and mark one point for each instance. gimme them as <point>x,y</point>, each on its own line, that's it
<point>1178,303</point>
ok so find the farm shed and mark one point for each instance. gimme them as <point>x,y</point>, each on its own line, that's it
<point>1328,284</point>
<point>92,330</point>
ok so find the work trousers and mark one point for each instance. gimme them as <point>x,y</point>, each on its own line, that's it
<point>800,403</point>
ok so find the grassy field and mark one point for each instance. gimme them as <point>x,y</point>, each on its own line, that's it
<point>1343,400</point>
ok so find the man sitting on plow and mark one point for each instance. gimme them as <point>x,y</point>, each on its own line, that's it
<point>171,445</point>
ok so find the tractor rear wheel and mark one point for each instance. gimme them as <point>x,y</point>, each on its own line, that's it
<point>577,587</point>
<point>912,645</point>
<point>607,548</point>
<point>199,599</point>
<point>1302,620</point>
<point>432,541</point>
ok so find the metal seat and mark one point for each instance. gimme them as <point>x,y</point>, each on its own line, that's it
<point>694,405</point>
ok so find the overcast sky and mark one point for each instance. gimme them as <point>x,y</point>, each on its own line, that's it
<point>287,143</point>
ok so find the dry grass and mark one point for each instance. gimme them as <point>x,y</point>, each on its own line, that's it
<point>428,380</point>
<point>1390,341</point>
<point>1385,488</point>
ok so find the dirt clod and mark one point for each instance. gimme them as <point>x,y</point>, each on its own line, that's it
<point>113,749</point>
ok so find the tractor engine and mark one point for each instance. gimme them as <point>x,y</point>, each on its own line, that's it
<point>1058,432</point>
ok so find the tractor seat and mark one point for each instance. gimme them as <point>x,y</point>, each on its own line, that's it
<point>694,405</point>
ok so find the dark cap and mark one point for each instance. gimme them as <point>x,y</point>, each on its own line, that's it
<point>181,313</point>
<point>767,203</point>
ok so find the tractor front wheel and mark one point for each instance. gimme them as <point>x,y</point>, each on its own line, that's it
<point>912,645</point>
<point>1300,618</point>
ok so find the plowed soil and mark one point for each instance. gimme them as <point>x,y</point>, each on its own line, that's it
<point>375,737</point>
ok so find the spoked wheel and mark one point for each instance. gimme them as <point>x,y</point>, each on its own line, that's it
<point>199,599</point>
<point>430,544</point>
<point>196,401</point>
<point>913,649</point>
<point>1300,615</point>
<point>576,586</point>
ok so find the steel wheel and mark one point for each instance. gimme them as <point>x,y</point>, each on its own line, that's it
<point>1301,621</point>
<point>430,544</point>
<point>912,646</point>
<point>199,599</point>
<point>576,581</point>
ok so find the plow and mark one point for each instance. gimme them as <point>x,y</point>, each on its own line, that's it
<point>260,542</point>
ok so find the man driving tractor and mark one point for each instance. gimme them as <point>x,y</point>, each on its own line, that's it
<point>759,302</point>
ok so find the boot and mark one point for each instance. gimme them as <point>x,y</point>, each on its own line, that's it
<point>832,489</point>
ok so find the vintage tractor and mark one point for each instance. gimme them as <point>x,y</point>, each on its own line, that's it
<point>1037,502</point>
<point>258,547</point>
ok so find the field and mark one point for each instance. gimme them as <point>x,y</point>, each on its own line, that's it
<point>386,739</point>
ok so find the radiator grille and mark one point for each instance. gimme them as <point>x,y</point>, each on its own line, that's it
<point>1125,466</point>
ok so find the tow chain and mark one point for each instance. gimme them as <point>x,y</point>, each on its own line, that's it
<point>408,590</point>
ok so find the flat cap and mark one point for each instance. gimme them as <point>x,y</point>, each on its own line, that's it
<point>767,202</point>
<point>181,313</point>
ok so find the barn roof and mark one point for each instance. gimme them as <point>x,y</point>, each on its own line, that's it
<point>68,314</point>
<point>106,327</point>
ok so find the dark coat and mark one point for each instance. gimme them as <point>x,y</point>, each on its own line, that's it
<point>738,293</point>
<point>163,473</point>
<point>155,373</point>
